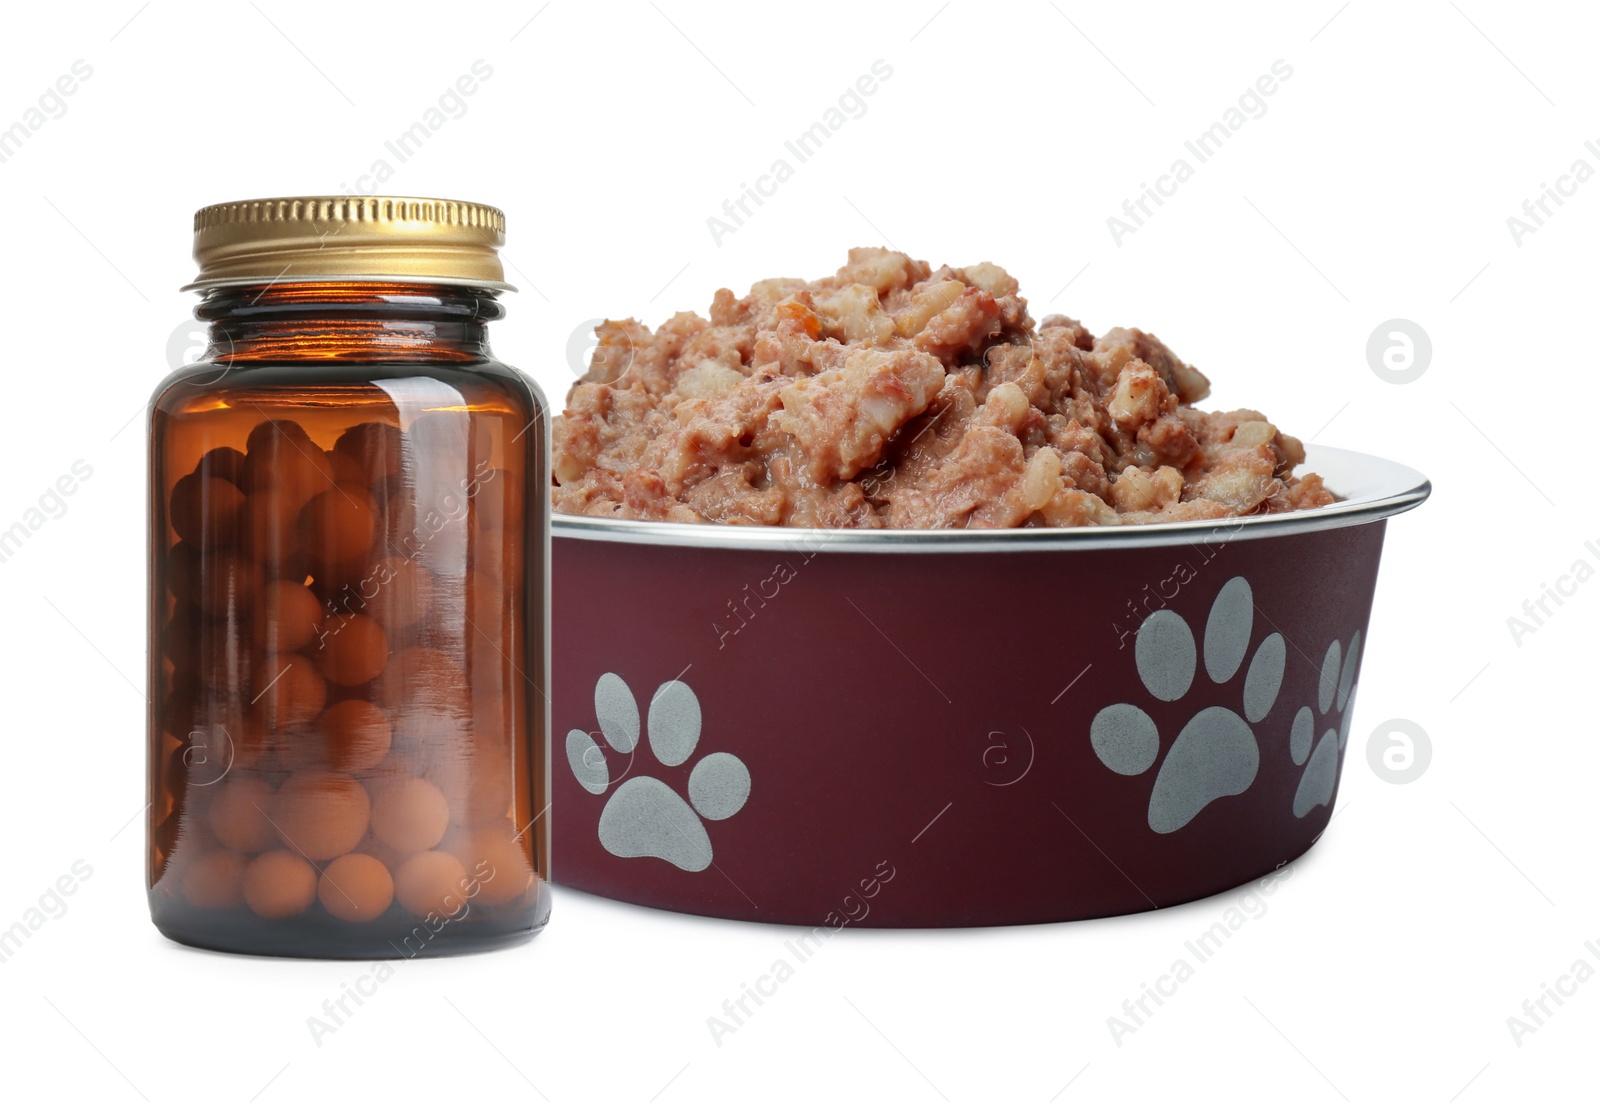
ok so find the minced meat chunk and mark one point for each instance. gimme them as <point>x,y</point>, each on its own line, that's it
<point>892,394</point>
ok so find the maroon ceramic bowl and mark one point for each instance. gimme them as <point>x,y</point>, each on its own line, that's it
<point>910,728</point>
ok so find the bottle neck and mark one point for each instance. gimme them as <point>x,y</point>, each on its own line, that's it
<point>349,322</point>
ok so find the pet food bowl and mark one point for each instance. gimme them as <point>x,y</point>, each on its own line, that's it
<point>936,728</point>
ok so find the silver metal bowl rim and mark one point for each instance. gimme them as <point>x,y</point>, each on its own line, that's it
<point>1373,489</point>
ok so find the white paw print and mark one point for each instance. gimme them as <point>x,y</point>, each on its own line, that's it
<point>1335,689</point>
<point>646,817</point>
<point>1216,754</point>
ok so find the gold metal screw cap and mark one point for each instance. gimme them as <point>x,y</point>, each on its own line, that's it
<point>349,238</point>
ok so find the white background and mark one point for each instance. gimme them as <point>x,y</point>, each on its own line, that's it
<point>1377,185</point>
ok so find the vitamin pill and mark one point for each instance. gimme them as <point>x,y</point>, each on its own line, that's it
<point>206,509</point>
<point>272,433</point>
<point>240,815</point>
<point>495,860</point>
<point>346,469</point>
<point>288,691</point>
<point>376,448</point>
<point>337,525</point>
<point>352,651</point>
<point>432,883</point>
<point>279,884</point>
<point>225,462</point>
<point>321,814</point>
<point>270,530</point>
<point>281,455</point>
<point>354,735</point>
<point>287,616</point>
<point>215,880</point>
<point>355,887</point>
<point>410,815</point>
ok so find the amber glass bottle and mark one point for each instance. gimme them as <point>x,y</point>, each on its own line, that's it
<point>348,599</point>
